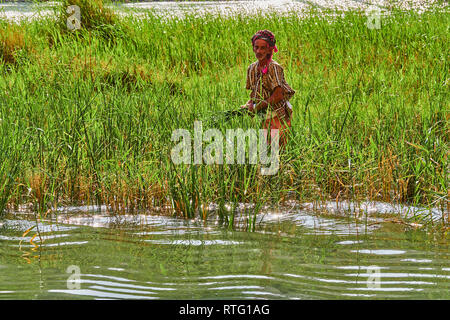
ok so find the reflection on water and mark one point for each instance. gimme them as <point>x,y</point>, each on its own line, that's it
<point>29,10</point>
<point>292,255</point>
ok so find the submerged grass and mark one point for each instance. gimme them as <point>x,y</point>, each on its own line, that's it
<point>95,110</point>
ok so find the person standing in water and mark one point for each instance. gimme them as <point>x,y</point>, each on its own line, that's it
<point>270,92</point>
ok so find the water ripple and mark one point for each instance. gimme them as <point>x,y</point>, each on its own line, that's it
<point>100,294</point>
<point>194,242</point>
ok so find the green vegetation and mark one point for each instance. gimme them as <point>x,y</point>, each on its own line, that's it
<point>87,116</point>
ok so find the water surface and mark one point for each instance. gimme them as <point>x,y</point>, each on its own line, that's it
<point>28,10</point>
<point>291,255</point>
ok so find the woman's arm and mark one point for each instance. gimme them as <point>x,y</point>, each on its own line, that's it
<point>277,96</point>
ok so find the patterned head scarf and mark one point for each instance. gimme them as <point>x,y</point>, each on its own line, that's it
<point>269,37</point>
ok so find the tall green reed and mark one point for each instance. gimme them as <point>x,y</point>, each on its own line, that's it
<point>102,117</point>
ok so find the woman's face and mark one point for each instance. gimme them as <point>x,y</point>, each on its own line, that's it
<point>261,49</point>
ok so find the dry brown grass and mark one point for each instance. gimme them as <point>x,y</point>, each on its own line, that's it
<point>108,72</point>
<point>13,42</point>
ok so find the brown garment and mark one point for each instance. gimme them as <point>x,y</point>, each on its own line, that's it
<point>262,90</point>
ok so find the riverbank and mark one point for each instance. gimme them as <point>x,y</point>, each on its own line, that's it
<point>87,117</point>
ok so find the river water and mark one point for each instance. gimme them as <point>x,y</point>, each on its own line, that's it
<point>294,253</point>
<point>27,10</point>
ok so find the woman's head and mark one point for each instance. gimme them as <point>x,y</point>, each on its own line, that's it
<point>264,44</point>
<point>266,35</point>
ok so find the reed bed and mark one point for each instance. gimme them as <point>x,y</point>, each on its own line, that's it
<point>87,116</point>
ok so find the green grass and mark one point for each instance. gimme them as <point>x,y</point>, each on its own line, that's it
<point>87,117</point>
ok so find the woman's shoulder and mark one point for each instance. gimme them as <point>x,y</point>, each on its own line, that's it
<point>253,65</point>
<point>274,65</point>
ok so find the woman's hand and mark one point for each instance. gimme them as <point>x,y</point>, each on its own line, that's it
<point>249,106</point>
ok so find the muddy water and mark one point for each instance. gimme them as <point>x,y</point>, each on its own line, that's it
<point>294,254</point>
